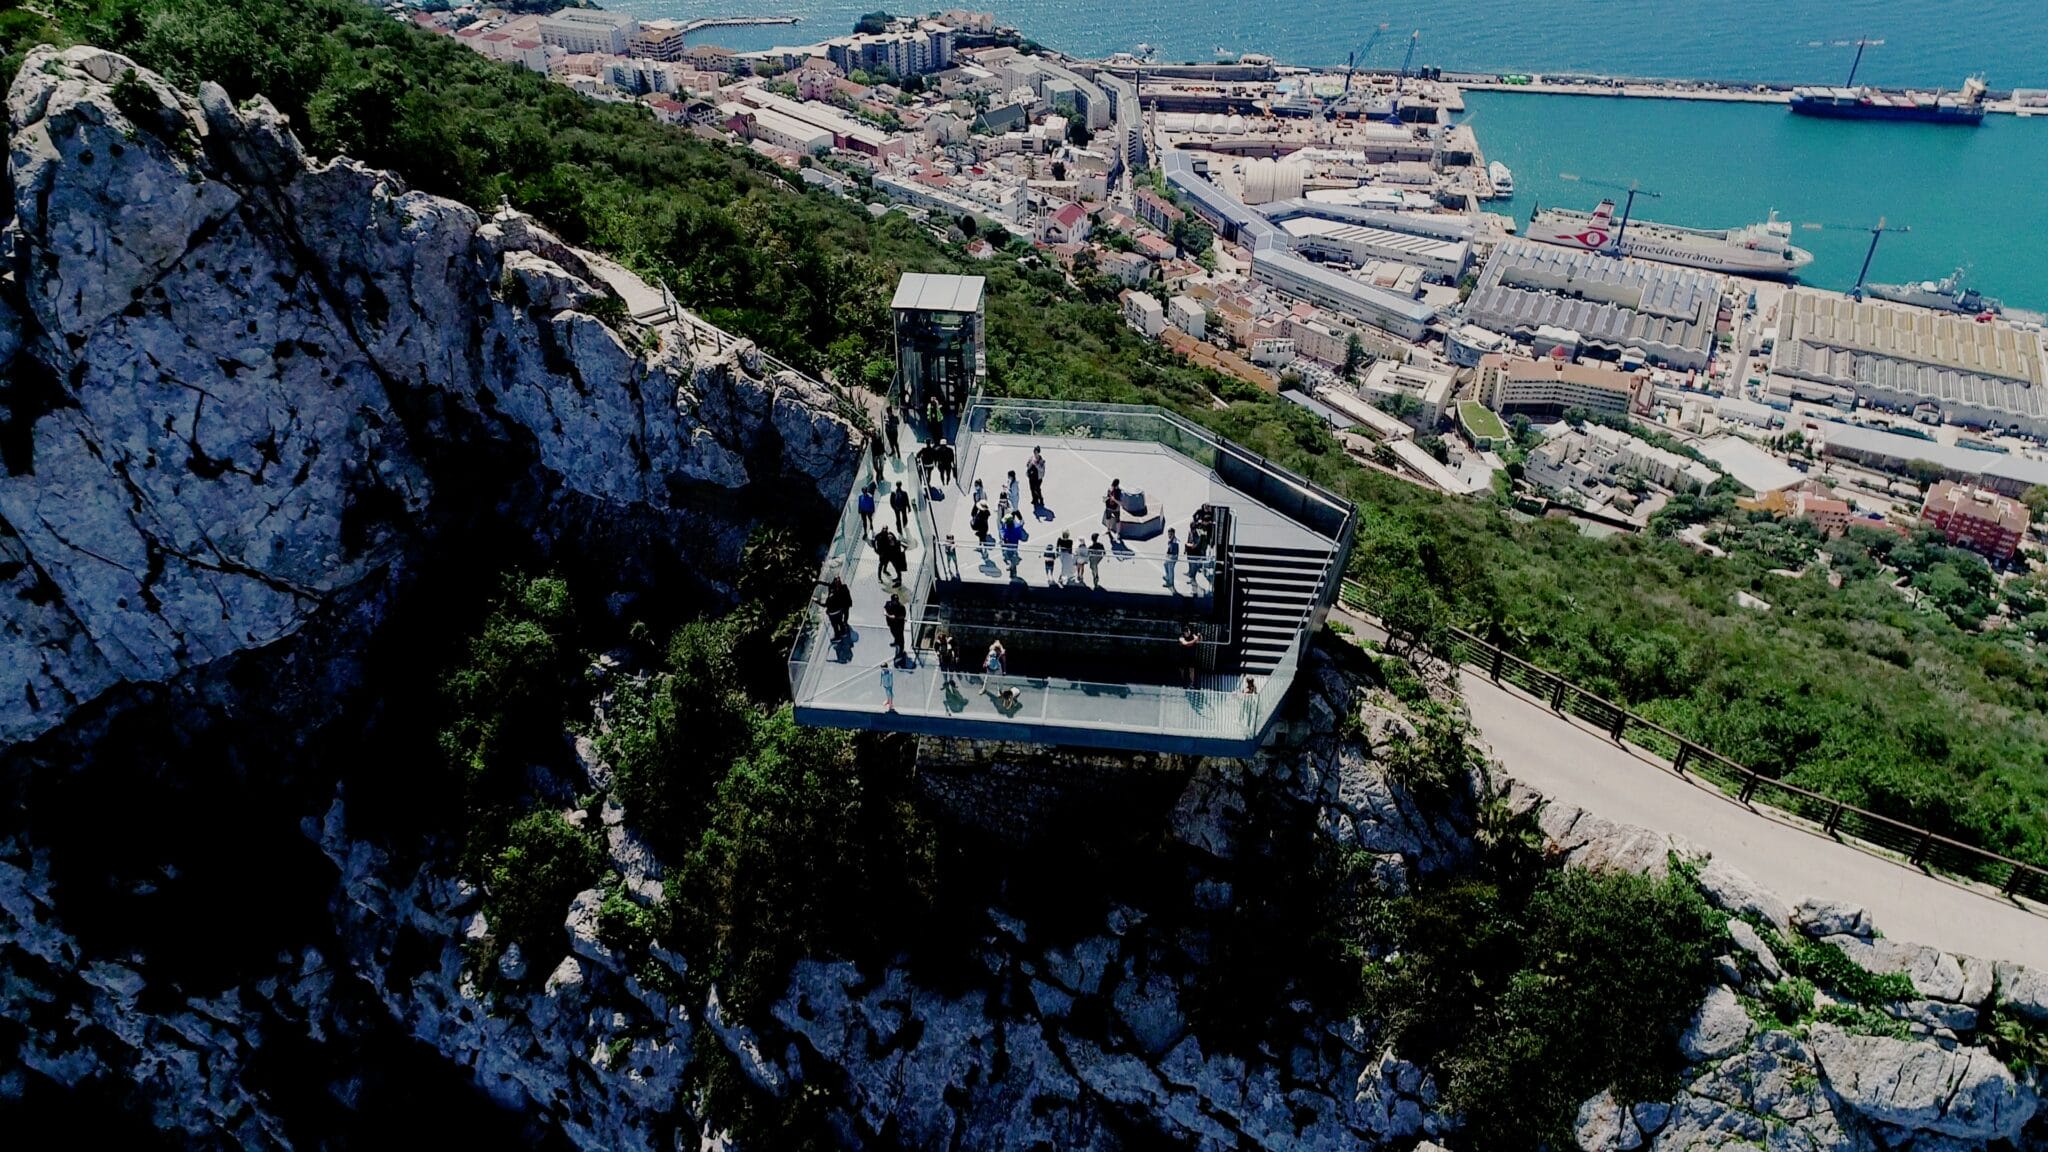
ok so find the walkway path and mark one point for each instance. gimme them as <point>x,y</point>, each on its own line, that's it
<point>1577,765</point>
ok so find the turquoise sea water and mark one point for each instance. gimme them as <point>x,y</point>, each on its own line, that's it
<point>1974,197</point>
<point>1926,41</point>
<point>1977,197</point>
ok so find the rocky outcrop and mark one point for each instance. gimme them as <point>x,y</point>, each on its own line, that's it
<point>238,375</point>
<point>244,388</point>
<point>1913,1075</point>
<point>1965,1093</point>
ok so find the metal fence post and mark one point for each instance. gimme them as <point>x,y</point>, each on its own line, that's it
<point>1835,818</point>
<point>2012,882</point>
<point>1557,694</point>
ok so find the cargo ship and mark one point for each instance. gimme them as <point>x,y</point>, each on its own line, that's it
<point>1964,107</point>
<point>1753,250</point>
<point>1854,102</point>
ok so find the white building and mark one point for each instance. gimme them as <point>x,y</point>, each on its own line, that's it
<point>1428,384</point>
<point>1596,456</point>
<point>1288,273</point>
<point>1142,311</point>
<point>575,30</point>
<point>1187,314</point>
<point>1983,374</point>
<point>1273,351</point>
<point>1066,224</point>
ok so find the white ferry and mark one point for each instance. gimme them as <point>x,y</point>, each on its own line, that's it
<point>1753,250</point>
<point>1503,180</point>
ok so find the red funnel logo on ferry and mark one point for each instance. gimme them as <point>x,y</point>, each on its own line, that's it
<point>1591,237</point>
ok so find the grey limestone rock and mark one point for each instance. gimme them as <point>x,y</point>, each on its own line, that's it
<point>1921,1086</point>
<point>1747,939</point>
<point>1719,1028</point>
<point>2023,990</point>
<point>1936,975</point>
<point>260,362</point>
<point>1832,918</point>
<point>1604,1125</point>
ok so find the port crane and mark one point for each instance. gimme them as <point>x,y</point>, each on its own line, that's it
<point>1876,234</point>
<point>1633,189</point>
<point>1862,42</point>
<point>1414,38</point>
<point>1351,61</point>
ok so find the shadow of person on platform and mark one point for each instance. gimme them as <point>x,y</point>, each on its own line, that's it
<point>1044,512</point>
<point>843,646</point>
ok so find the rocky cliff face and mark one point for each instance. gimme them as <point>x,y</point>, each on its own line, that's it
<point>245,391</point>
<point>241,383</point>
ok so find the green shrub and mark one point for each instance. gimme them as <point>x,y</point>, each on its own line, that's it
<point>1533,1003</point>
<point>801,854</point>
<point>2021,1043</point>
<point>1830,967</point>
<point>1790,1001</point>
<point>504,704</point>
<point>543,865</point>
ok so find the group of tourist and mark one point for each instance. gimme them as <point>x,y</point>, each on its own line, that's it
<point>999,524</point>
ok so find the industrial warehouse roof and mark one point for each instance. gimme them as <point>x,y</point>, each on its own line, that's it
<point>1340,232</point>
<point>1918,335</point>
<point>1363,296</point>
<point>1943,357</point>
<point>1614,304</point>
<point>929,292</point>
<point>2021,470</point>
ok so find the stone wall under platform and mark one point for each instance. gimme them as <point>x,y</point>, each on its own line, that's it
<point>1020,792</point>
<point>1067,633</point>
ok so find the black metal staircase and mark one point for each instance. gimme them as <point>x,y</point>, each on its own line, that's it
<point>1274,590</point>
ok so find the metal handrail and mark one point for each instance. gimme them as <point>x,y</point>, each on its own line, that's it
<point>1928,849</point>
<point>1336,504</point>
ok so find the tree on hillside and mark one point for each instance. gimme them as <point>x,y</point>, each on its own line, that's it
<point>1354,356</point>
<point>1192,235</point>
<point>1924,473</point>
<point>2036,500</point>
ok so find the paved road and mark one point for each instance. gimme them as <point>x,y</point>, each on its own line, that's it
<point>1576,765</point>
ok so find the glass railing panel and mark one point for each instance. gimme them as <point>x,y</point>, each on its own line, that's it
<point>1133,706</point>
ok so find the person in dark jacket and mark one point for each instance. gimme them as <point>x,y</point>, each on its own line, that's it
<point>945,456</point>
<point>866,506</point>
<point>890,553</point>
<point>899,503</point>
<point>890,429</point>
<point>893,613</point>
<point>838,603</point>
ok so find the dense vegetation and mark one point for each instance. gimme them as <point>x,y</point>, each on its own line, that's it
<point>791,841</point>
<point>1529,986</point>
